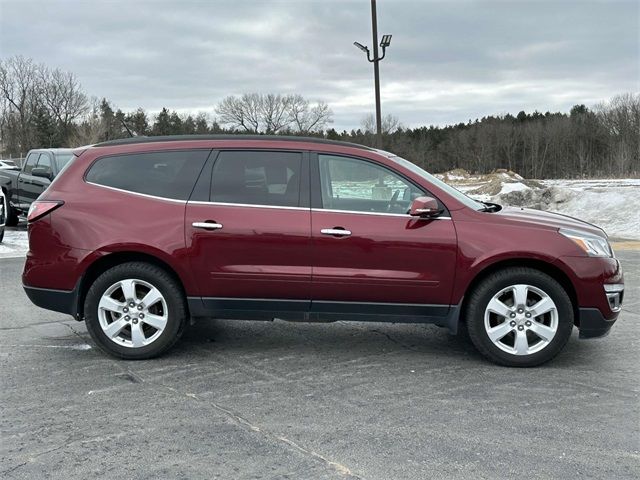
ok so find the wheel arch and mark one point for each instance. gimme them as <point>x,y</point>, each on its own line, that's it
<point>552,270</point>
<point>110,260</point>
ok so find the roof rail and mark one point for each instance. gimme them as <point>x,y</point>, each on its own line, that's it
<point>180,138</point>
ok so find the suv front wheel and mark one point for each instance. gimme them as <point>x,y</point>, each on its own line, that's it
<point>135,311</point>
<point>519,317</point>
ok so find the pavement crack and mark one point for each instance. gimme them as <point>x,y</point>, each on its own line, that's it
<point>247,425</point>
<point>13,469</point>
<point>397,342</point>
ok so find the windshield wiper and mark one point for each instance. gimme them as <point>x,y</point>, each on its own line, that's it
<point>490,207</point>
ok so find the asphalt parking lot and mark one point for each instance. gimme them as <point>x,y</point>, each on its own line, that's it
<point>249,400</point>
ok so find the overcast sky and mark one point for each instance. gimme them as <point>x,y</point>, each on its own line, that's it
<point>449,61</point>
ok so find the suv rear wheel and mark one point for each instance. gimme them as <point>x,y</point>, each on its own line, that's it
<point>519,317</point>
<point>135,311</point>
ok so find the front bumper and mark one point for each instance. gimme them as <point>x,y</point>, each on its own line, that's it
<point>593,324</point>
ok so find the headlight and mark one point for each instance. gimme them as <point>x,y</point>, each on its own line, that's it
<point>592,245</point>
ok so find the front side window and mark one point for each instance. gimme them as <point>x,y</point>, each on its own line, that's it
<point>257,178</point>
<point>44,162</point>
<point>30,163</point>
<point>170,174</point>
<point>362,186</point>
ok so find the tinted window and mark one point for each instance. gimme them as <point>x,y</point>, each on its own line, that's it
<point>257,178</point>
<point>44,162</point>
<point>358,185</point>
<point>62,159</point>
<point>162,174</point>
<point>31,162</point>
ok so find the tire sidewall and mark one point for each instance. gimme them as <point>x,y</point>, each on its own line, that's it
<point>504,279</point>
<point>160,280</point>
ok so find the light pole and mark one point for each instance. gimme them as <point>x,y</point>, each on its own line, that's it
<point>386,41</point>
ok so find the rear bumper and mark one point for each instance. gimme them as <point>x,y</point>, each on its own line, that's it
<point>62,301</point>
<point>593,324</point>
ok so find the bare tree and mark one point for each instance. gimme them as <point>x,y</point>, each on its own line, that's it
<point>90,126</point>
<point>17,88</point>
<point>273,113</point>
<point>306,118</point>
<point>390,124</point>
<point>62,95</point>
<point>242,113</point>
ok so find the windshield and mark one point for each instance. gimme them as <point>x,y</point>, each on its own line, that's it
<point>454,192</point>
<point>62,159</point>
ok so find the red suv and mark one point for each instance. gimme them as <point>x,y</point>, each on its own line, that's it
<point>138,236</point>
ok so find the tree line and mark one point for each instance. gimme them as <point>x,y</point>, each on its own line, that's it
<point>45,107</point>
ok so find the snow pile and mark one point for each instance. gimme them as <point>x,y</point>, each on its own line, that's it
<point>613,204</point>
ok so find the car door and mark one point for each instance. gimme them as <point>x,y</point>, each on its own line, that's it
<point>32,186</point>
<point>20,194</point>
<point>366,249</point>
<point>248,229</point>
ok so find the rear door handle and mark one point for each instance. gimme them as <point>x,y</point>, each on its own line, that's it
<point>207,225</point>
<point>338,232</point>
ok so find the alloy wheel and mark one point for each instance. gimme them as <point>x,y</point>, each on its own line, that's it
<point>521,319</point>
<point>133,313</point>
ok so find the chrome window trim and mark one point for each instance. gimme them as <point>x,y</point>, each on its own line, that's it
<point>404,215</point>
<point>174,200</point>
<point>225,204</point>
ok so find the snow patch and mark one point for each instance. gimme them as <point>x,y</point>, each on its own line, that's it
<point>15,244</point>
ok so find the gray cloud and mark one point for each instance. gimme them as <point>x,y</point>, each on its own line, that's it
<point>449,60</point>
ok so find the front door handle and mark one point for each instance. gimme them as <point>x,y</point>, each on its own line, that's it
<point>207,225</point>
<point>337,232</point>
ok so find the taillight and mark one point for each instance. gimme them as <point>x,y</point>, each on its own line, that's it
<point>39,209</point>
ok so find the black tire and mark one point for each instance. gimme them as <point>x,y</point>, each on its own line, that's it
<point>12,215</point>
<point>493,284</point>
<point>160,279</point>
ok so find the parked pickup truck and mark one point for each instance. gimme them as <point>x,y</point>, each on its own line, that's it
<point>22,187</point>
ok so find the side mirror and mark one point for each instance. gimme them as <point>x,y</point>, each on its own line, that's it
<point>425,207</point>
<point>42,172</point>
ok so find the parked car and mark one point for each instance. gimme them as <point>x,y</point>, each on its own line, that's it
<point>137,236</point>
<point>8,165</point>
<point>23,186</point>
<point>3,214</point>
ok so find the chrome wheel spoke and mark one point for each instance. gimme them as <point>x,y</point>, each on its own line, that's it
<point>156,321</point>
<point>521,344</point>
<point>520,293</point>
<point>128,289</point>
<point>500,320</point>
<point>114,328</point>
<point>153,296</point>
<point>542,331</point>
<point>498,307</point>
<point>498,332</point>
<point>115,316</point>
<point>137,335</point>
<point>110,304</point>
<point>543,306</point>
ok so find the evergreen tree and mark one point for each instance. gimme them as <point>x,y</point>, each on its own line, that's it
<point>162,125</point>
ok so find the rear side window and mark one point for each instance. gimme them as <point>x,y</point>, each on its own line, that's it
<point>62,159</point>
<point>161,174</point>
<point>257,178</point>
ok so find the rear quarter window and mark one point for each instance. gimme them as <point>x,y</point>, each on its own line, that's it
<point>162,174</point>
